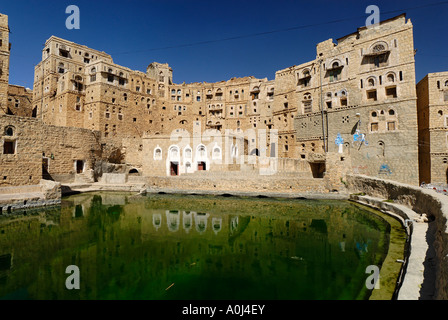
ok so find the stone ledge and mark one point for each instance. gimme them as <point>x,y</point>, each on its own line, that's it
<point>412,278</point>
<point>419,200</point>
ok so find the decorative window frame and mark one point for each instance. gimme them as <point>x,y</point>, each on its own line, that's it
<point>157,157</point>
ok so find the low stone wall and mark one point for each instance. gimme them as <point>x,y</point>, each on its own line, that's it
<point>434,205</point>
<point>238,182</point>
<point>25,197</point>
<point>113,178</point>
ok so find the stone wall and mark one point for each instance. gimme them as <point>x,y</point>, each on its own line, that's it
<point>27,145</point>
<point>4,63</point>
<point>421,201</point>
<point>21,163</point>
<point>64,146</point>
<point>432,104</point>
<point>237,182</point>
<point>20,101</point>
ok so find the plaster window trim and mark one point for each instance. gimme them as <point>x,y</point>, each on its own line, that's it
<point>157,156</point>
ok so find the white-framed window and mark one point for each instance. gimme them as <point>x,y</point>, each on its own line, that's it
<point>157,153</point>
<point>188,153</point>
<point>217,154</point>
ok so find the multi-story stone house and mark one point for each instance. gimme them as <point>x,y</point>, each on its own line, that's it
<point>351,109</point>
<point>432,92</point>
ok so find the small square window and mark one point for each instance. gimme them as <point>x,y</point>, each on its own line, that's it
<point>391,126</point>
<point>9,147</point>
<point>371,95</point>
<point>374,127</point>
<point>391,92</point>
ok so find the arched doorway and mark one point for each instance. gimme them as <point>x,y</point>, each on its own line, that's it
<point>173,161</point>
<point>254,152</point>
<point>201,158</point>
<point>174,168</point>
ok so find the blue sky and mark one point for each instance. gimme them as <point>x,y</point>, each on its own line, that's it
<point>138,32</point>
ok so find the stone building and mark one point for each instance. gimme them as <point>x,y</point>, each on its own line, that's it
<point>20,101</point>
<point>360,93</point>
<point>32,150</point>
<point>351,109</point>
<point>432,104</point>
<point>360,90</point>
<point>4,62</point>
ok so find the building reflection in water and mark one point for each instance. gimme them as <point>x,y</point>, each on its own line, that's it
<point>189,218</point>
<point>222,249</point>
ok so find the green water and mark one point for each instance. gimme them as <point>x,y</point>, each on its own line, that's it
<point>191,247</point>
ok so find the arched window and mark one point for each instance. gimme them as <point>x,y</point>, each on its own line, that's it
<point>61,68</point>
<point>371,82</point>
<point>216,152</point>
<point>174,152</point>
<point>390,78</point>
<point>201,151</point>
<point>446,83</point>
<point>9,131</point>
<point>187,153</point>
<point>378,48</point>
<point>158,153</point>
<point>307,103</point>
<point>391,112</point>
<point>382,148</point>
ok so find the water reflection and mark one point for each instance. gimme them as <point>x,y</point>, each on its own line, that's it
<point>131,247</point>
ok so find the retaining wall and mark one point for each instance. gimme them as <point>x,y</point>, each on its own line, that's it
<point>421,201</point>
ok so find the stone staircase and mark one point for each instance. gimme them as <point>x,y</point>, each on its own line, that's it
<point>82,178</point>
